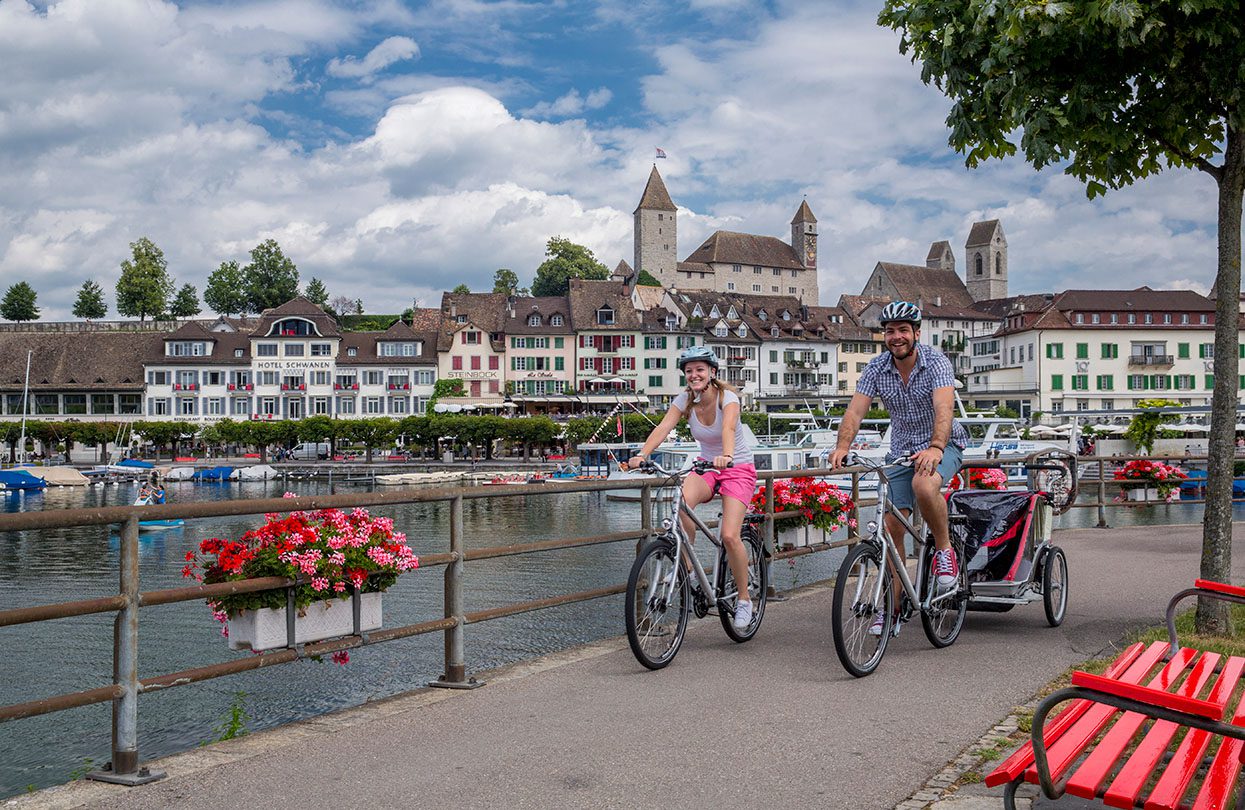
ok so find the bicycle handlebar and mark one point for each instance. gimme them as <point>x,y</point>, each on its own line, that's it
<point>699,465</point>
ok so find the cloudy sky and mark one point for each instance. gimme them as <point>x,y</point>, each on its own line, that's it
<point>396,149</point>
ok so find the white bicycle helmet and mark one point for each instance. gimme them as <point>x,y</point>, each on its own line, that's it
<point>702,353</point>
<point>900,311</point>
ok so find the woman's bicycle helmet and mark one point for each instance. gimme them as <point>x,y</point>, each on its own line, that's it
<point>699,353</point>
<point>900,311</point>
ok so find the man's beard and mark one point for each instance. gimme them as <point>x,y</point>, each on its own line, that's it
<point>911,347</point>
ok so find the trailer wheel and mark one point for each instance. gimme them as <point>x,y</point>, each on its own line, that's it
<point>1055,585</point>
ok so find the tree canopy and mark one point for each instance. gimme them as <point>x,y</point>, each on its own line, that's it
<point>270,279</point>
<point>145,285</point>
<point>461,289</point>
<point>1114,92</point>
<point>566,261</point>
<point>506,281</point>
<point>90,301</point>
<point>316,293</point>
<point>186,302</point>
<point>19,303</point>
<point>647,279</point>
<point>224,292</point>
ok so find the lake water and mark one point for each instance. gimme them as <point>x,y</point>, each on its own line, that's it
<point>73,654</point>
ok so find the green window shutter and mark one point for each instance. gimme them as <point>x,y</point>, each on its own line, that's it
<point>1241,381</point>
<point>773,357</point>
<point>1240,349</point>
<point>559,362</point>
<point>1056,382</point>
<point>559,343</point>
<point>1201,351</point>
<point>1182,351</point>
<point>1106,351</point>
<point>1082,351</point>
<point>1050,351</point>
<point>1210,381</point>
<point>514,363</point>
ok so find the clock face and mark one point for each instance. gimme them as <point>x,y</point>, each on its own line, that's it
<point>810,250</point>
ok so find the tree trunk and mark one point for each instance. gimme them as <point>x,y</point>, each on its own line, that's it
<point>1212,614</point>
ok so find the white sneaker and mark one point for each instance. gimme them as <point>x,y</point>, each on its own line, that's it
<point>743,615</point>
<point>879,621</point>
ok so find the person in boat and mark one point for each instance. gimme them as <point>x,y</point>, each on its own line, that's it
<point>916,383</point>
<point>712,409</point>
<point>157,493</point>
<point>144,494</point>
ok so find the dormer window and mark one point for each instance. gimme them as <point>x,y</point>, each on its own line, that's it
<point>238,352</point>
<point>352,352</point>
<point>185,348</point>
<point>460,319</point>
<point>732,314</point>
<point>697,312</point>
<point>671,322</point>
<point>715,312</point>
<point>773,332</point>
<point>742,331</point>
<point>786,316</point>
<point>720,330</point>
<point>762,315</point>
<point>294,327</point>
<point>406,348</point>
<point>533,320</point>
<point>605,316</point>
<point>555,320</point>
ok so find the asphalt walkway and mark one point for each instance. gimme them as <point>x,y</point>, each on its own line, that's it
<point>775,722</point>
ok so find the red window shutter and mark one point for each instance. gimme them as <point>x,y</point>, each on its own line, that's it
<point>493,363</point>
<point>456,363</point>
<point>475,362</point>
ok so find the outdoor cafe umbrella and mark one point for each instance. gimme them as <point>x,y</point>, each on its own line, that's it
<point>596,381</point>
<point>1042,430</point>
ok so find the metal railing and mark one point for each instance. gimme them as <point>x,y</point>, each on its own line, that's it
<point>125,766</point>
<point>127,686</point>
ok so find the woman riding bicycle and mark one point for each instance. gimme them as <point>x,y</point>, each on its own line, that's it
<point>712,409</point>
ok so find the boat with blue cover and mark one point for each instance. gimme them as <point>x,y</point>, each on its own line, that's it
<point>15,480</point>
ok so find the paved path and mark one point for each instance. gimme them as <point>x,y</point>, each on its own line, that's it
<point>775,722</point>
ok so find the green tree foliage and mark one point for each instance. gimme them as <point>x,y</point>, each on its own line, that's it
<point>445,388</point>
<point>461,289</point>
<point>647,279</point>
<point>270,279</point>
<point>316,293</point>
<point>90,301</point>
<point>224,292</point>
<point>186,302</point>
<point>506,281</point>
<point>535,431</point>
<point>145,286</point>
<point>19,303</point>
<point>1144,427</point>
<point>566,261</point>
<point>372,433</point>
<point>1116,92</point>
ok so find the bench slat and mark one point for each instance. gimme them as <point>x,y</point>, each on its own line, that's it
<point>1219,587</point>
<point>1096,767</point>
<point>1140,766</point>
<point>1156,695</point>
<point>1223,771</point>
<point>1184,764</point>
<point>1064,751</point>
<point>1056,726</point>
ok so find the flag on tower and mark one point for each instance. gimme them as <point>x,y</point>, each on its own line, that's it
<point>661,153</point>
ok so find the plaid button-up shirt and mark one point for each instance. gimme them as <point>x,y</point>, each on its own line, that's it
<point>911,406</point>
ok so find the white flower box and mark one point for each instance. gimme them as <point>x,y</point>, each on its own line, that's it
<point>264,629</point>
<point>801,536</point>
<point>1144,494</point>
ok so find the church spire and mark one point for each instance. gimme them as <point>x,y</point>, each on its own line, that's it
<point>655,197</point>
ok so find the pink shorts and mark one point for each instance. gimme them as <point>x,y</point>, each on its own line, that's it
<point>738,482</point>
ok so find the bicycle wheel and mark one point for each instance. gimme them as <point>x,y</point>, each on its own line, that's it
<point>758,584</point>
<point>943,621</point>
<point>862,588</point>
<point>657,604</point>
<point>1057,479</point>
<point>1055,585</point>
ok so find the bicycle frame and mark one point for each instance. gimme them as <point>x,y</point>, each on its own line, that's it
<point>682,545</point>
<point>888,545</point>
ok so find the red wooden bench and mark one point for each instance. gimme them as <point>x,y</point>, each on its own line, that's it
<point>1119,739</point>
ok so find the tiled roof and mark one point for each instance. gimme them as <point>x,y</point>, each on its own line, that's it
<point>937,251</point>
<point>845,329</point>
<point>622,270</point>
<point>982,233</point>
<point>426,320</point>
<point>856,304</point>
<point>695,267</point>
<point>655,197</point>
<point>546,307</point>
<point>803,214</point>
<point>648,297</point>
<point>88,361</point>
<point>1001,307</point>
<point>1141,299</point>
<point>922,284</point>
<point>589,296</point>
<point>728,247</point>
<point>298,307</point>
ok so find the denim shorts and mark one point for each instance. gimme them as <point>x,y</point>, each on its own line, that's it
<point>901,477</point>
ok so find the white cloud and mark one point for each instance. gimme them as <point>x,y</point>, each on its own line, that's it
<point>571,104</point>
<point>388,52</point>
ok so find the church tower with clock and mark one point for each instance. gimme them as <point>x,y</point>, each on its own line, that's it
<point>804,237</point>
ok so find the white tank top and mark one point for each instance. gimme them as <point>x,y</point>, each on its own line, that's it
<point>710,436</point>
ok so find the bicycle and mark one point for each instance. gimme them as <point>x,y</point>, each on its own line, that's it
<point>863,587</point>
<point>667,582</point>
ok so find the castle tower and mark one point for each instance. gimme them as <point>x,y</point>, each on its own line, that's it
<point>985,265</point>
<point>940,257</point>
<point>804,236</point>
<point>655,232</point>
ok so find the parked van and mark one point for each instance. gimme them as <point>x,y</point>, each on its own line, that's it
<point>310,450</point>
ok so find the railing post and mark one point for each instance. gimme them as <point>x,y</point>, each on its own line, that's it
<point>455,675</point>
<point>1102,495</point>
<point>124,768</point>
<point>646,515</point>
<point>772,594</point>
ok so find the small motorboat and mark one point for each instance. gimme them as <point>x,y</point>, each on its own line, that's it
<point>14,480</point>
<point>155,525</point>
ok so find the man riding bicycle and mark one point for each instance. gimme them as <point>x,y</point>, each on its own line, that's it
<point>916,384</point>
